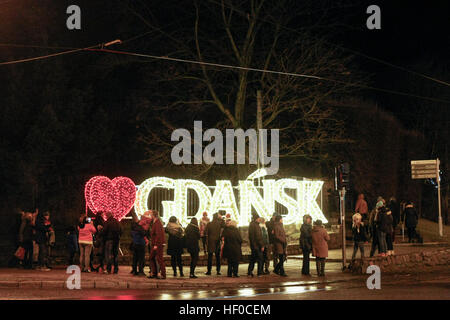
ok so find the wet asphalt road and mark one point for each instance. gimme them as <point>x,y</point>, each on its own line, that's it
<point>433,286</point>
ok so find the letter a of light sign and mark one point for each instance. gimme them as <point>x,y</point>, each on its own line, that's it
<point>223,199</point>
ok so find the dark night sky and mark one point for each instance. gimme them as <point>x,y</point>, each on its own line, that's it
<point>411,33</point>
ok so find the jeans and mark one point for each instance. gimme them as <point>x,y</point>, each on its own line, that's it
<point>266,259</point>
<point>204,244</point>
<point>112,255</point>
<point>35,252</point>
<point>279,268</point>
<point>375,242</point>
<point>305,267</point>
<point>138,258</point>
<point>358,245</point>
<point>28,257</point>
<point>99,257</point>
<point>156,256</point>
<point>256,257</point>
<point>382,241</point>
<point>320,266</point>
<point>85,256</point>
<point>43,254</point>
<point>233,267</point>
<point>210,255</point>
<point>274,255</point>
<point>389,240</point>
<point>411,233</point>
<point>71,256</point>
<point>175,261</point>
<point>194,259</point>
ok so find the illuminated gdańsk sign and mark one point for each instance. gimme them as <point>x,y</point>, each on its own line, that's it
<point>223,199</point>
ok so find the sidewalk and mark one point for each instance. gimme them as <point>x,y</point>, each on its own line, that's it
<point>56,278</point>
<point>335,255</point>
<point>20,278</point>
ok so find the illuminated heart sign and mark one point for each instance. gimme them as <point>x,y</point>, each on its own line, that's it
<point>105,195</point>
<point>223,198</point>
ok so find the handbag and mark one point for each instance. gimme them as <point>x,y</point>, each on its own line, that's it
<point>20,253</point>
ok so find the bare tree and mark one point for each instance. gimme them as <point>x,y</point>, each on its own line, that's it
<point>247,34</point>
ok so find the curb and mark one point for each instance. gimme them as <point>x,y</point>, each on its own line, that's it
<point>53,284</point>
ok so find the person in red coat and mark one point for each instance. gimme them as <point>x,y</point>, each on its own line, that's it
<point>320,238</point>
<point>157,246</point>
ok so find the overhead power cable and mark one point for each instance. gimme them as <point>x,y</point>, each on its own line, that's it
<point>100,48</point>
<point>47,56</point>
<point>218,65</point>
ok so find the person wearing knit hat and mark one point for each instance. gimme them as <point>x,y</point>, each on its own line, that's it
<point>256,245</point>
<point>380,202</point>
<point>265,235</point>
<point>270,226</point>
<point>213,233</point>
<point>320,238</point>
<point>306,242</point>
<point>231,250</point>
<point>280,245</point>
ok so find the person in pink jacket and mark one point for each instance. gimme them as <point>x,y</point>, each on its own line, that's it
<point>85,240</point>
<point>320,238</point>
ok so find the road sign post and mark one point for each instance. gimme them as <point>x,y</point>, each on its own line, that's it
<point>342,206</point>
<point>429,169</point>
<point>438,179</point>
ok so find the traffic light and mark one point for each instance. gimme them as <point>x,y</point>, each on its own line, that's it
<point>342,176</point>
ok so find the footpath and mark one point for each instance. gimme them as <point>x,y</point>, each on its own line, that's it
<point>407,258</point>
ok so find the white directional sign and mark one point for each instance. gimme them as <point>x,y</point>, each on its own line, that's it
<point>424,169</point>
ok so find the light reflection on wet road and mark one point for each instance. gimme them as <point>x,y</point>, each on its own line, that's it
<point>214,294</point>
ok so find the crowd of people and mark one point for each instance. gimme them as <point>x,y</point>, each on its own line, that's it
<point>379,225</point>
<point>97,240</point>
<point>36,239</point>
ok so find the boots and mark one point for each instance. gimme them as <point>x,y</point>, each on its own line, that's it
<point>318,266</point>
<point>322,268</point>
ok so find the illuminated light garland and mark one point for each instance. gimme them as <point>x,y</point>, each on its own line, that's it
<point>291,204</point>
<point>313,189</point>
<point>116,196</point>
<point>87,194</point>
<point>143,193</point>
<point>269,199</point>
<point>249,196</point>
<point>204,196</point>
<point>223,199</point>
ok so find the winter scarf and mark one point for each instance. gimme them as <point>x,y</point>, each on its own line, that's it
<point>175,229</point>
